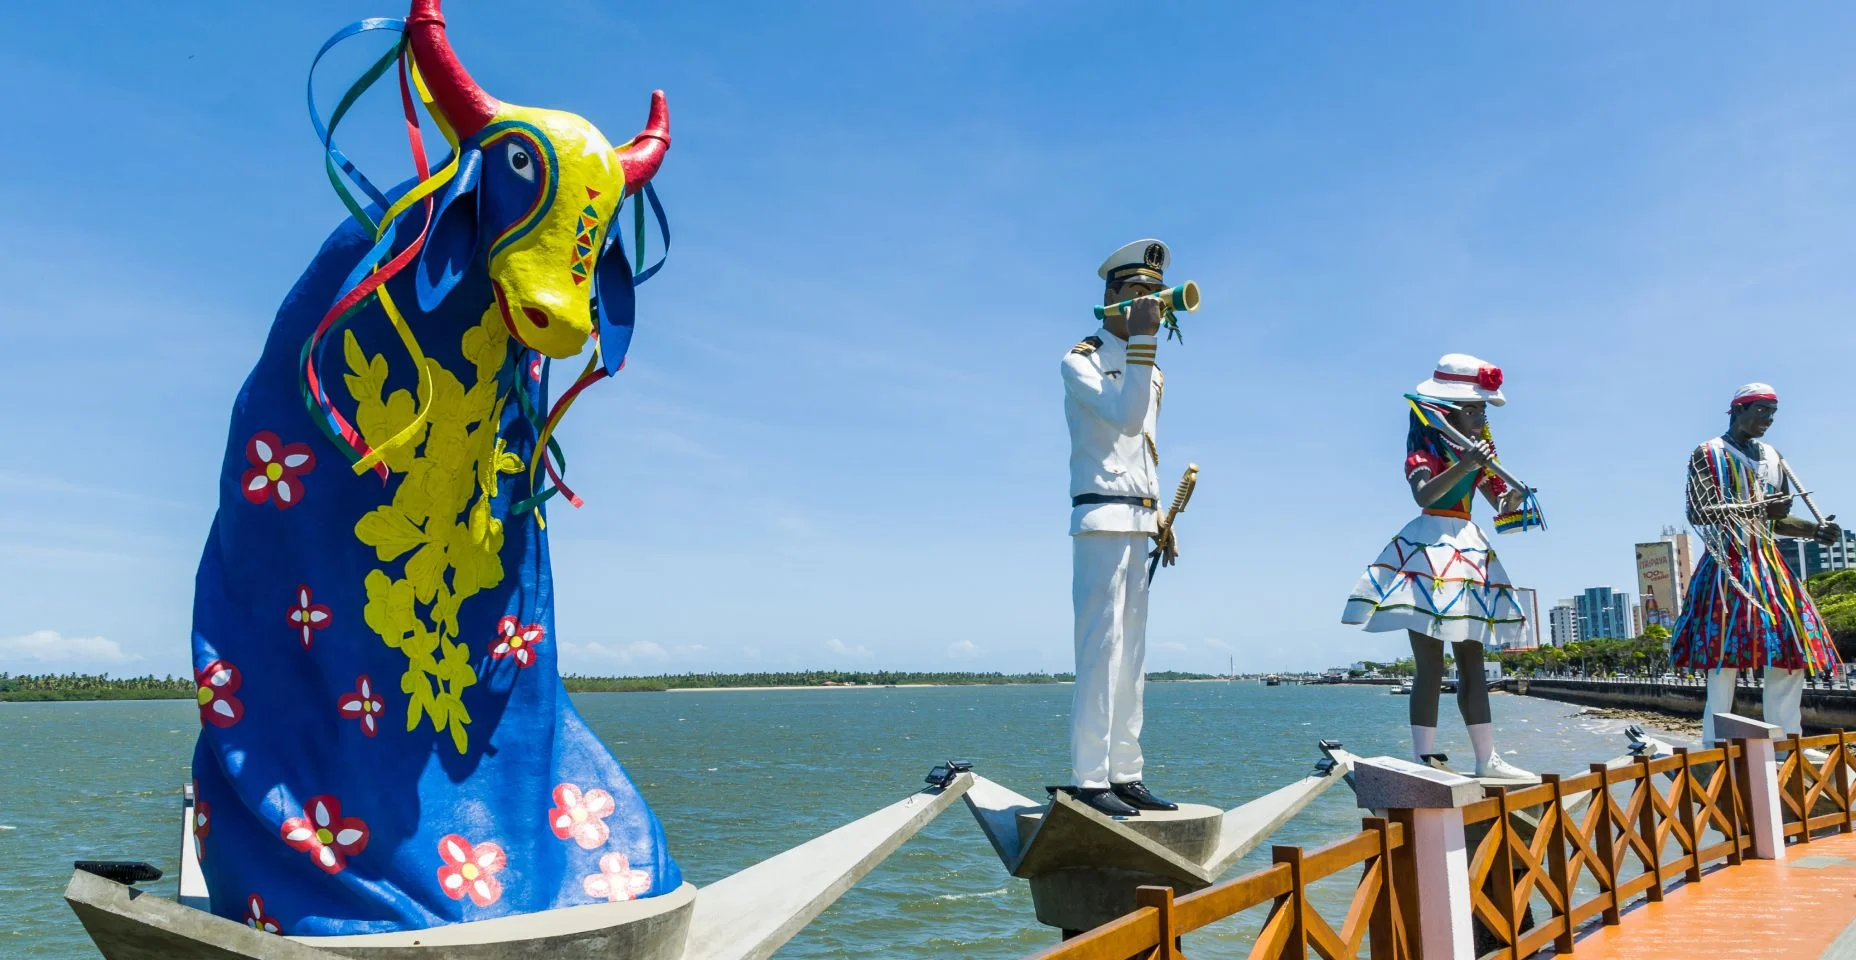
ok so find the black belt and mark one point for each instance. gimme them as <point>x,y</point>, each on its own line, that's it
<point>1087,499</point>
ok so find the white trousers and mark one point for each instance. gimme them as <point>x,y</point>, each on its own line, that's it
<point>1109,590</point>
<point>1782,702</point>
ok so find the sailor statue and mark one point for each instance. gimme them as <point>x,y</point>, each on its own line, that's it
<point>1111,398</point>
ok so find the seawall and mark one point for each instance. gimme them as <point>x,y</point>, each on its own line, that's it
<point>1825,710</point>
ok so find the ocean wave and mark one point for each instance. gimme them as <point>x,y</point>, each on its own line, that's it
<point>1002,891</point>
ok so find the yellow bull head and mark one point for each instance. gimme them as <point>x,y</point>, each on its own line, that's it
<point>531,200</point>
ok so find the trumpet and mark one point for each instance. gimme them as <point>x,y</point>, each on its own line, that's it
<point>1183,297</point>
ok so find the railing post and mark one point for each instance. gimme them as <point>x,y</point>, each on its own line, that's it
<point>1606,841</point>
<point>1501,869</point>
<point>1736,812</point>
<point>1646,827</point>
<point>1381,939</point>
<point>1430,802</point>
<point>1685,815</point>
<point>1297,947</point>
<point>1795,786</point>
<point>1765,808</point>
<point>1844,787</point>
<point>1405,870</point>
<point>1556,862</point>
<point>1161,899</point>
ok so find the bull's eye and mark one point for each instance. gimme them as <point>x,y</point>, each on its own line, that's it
<point>521,162</point>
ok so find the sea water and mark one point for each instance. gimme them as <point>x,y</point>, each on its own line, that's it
<point>738,776</point>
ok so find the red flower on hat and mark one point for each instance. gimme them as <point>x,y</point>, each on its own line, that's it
<point>1489,378</point>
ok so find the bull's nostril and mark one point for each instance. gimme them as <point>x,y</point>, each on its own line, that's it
<point>535,316</point>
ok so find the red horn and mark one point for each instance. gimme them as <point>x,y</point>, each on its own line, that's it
<point>464,104</point>
<point>641,158</point>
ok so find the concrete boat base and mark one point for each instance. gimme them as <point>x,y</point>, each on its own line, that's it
<point>127,924</point>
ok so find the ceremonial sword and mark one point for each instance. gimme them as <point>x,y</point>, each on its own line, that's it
<point>1181,497</point>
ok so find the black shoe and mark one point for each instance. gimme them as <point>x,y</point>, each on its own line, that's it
<point>1136,794</point>
<point>1106,802</point>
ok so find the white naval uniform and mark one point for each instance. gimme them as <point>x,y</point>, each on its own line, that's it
<point>1111,401</point>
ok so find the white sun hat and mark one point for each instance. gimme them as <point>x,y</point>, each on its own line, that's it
<point>1461,377</point>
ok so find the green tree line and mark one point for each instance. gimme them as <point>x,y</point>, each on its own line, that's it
<point>75,686</point>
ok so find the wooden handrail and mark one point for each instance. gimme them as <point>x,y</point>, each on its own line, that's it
<point>1539,845</point>
<point>1293,926</point>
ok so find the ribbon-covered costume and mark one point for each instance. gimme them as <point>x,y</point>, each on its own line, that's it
<point>386,741</point>
<point>1745,607</point>
<point>1439,575</point>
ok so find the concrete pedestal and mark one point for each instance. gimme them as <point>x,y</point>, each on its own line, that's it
<point>1100,884</point>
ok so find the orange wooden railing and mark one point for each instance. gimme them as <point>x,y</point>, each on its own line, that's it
<point>1599,840</point>
<point>1375,919</point>
<point>1545,860</point>
<point>1823,789</point>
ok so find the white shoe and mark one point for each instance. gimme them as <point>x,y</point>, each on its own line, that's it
<point>1495,768</point>
<point>1816,757</point>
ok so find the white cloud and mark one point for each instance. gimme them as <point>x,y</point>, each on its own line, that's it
<point>36,651</point>
<point>1172,646</point>
<point>690,650</point>
<point>842,649</point>
<point>1217,644</point>
<point>595,657</point>
<point>965,649</point>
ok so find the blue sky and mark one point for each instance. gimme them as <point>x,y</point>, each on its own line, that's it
<point>839,442</point>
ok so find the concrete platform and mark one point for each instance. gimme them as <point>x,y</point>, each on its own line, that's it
<point>1083,866</point>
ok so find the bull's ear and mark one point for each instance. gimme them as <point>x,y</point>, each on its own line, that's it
<point>617,302</point>
<point>451,245</point>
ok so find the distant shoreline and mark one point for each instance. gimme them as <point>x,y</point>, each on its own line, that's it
<point>74,689</point>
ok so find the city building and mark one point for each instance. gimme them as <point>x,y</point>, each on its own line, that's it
<point>1563,621</point>
<point>1604,613</point>
<point>1529,601</point>
<point>1808,558</point>
<point>1663,570</point>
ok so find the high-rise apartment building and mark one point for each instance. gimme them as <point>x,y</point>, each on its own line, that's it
<point>1563,623</point>
<point>1604,613</point>
<point>1529,602</point>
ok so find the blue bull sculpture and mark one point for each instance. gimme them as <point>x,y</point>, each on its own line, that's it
<point>386,742</point>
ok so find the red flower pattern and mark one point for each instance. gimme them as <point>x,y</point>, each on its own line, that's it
<point>322,832</point>
<point>256,918</point>
<point>1489,378</point>
<point>472,870</point>
<point>517,641</point>
<point>217,682</point>
<point>202,824</point>
<point>581,817</point>
<point>363,704</point>
<point>308,616</point>
<point>277,470</point>
<point>616,880</point>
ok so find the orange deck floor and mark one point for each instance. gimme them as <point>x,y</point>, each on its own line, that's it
<point>1801,907</point>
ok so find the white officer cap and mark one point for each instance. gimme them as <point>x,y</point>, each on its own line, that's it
<point>1143,259</point>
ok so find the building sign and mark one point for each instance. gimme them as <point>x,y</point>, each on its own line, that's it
<point>1659,582</point>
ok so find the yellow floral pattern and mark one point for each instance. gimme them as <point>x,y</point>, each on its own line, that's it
<point>439,519</point>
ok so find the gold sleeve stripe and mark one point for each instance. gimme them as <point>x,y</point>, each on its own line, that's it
<point>1132,362</point>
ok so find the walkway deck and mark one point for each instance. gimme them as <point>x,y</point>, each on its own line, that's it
<point>1799,908</point>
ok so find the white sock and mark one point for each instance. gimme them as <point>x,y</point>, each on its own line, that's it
<point>1423,741</point>
<point>1482,740</point>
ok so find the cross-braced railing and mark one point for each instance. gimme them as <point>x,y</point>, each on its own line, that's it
<point>1817,793</point>
<point>1554,856</point>
<point>1293,928</point>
